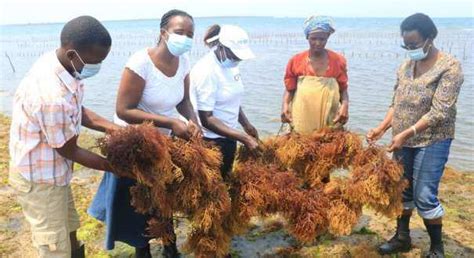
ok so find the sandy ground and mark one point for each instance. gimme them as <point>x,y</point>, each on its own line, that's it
<point>267,238</point>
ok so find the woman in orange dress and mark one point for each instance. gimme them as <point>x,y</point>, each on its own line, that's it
<point>316,82</point>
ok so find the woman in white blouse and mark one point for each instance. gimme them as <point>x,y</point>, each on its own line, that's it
<point>217,91</point>
<point>155,83</point>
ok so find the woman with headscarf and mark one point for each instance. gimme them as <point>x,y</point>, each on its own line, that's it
<point>316,82</point>
<point>422,117</point>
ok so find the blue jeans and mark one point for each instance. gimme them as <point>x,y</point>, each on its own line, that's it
<point>423,167</point>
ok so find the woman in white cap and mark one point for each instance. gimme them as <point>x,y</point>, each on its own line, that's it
<point>316,82</point>
<point>217,90</point>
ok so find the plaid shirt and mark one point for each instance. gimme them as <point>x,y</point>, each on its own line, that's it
<point>47,111</point>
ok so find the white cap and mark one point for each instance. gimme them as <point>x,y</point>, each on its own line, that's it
<point>236,39</point>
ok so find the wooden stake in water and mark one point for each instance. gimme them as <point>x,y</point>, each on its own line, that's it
<point>11,64</point>
<point>464,52</point>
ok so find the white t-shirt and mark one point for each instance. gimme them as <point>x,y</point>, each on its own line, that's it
<point>161,93</point>
<point>216,89</point>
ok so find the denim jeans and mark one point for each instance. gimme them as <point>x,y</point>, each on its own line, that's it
<point>424,167</point>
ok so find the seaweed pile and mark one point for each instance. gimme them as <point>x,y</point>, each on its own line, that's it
<point>289,175</point>
<point>374,180</point>
<point>259,190</point>
<point>173,176</point>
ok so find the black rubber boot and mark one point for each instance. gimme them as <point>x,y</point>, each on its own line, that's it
<point>401,241</point>
<point>143,252</point>
<point>436,252</point>
<point>79,252</point>
<point>436,237</point>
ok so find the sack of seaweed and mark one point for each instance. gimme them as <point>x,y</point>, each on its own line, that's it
<point>173,176</point>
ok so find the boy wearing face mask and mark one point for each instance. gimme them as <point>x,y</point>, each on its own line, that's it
<point>46,121</point>
<point>217,91</point>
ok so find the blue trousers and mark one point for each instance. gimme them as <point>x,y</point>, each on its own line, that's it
<point>424,167</point>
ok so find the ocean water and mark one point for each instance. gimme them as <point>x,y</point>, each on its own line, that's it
<point>370,45</point>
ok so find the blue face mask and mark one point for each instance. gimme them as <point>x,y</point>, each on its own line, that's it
<point>88,70</point>
<point>178,44</point>
<point>418,54</point>
<point>226,62</point>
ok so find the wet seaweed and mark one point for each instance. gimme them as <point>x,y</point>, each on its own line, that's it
<point>288,175</point>
<point>173,176</point>
<point>138,152</point>
<point>343,214</point>
<point>263,190</point>
<point>373,180</point>
<point>377,181</point>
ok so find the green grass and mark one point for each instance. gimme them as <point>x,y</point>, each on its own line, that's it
<point>365,231</point>
<point>235,253</point>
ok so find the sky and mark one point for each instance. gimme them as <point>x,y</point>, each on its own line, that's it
<point>49,11</point>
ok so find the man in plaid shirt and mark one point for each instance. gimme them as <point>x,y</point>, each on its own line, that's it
<point>46,121</point>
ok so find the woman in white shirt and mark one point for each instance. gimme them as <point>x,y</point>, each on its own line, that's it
<point>155,83</point>
<point>217,91</point>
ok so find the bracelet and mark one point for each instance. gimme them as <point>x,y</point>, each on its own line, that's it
<point>413,128</point>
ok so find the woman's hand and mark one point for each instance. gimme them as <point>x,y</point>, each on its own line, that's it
<point>251,130</point>
<point>342,114</point>
<point>374,135</point>
<point>250,142</point>
<point>398,141</point>
<point>286,114</point>
<point>180,129</point>
<point>194,130</point>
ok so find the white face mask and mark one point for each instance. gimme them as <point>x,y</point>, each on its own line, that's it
<point>88,70</point>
